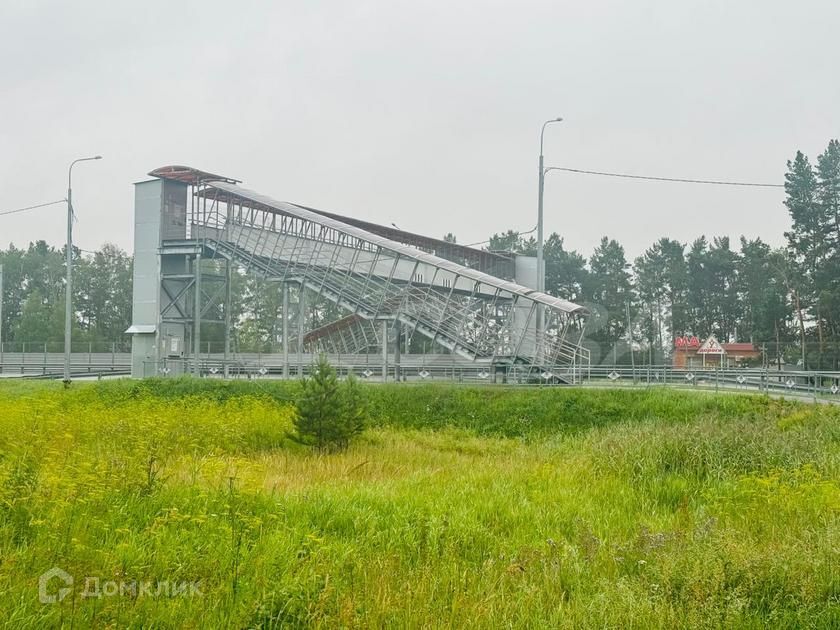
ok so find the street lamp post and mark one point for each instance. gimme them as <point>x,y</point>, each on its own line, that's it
<point>540,262</point>
<point>68,299</point>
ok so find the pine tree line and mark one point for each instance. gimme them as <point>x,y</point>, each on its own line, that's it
<point>785,299</point>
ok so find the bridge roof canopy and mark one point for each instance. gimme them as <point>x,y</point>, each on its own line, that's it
<point>230,191</point>
<point>190,175</point>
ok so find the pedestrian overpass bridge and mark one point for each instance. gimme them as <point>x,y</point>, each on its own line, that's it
<point>348,286</point>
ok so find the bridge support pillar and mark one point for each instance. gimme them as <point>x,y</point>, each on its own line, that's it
<point>285,290</point>
<point>197,317</point>
<point>228,296</point>
<point>384,350</point>
<point>301,326</point>
<point>397,333</point>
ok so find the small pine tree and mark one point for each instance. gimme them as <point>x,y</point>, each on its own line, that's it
<point>320,407</point>
<point>329,415</point>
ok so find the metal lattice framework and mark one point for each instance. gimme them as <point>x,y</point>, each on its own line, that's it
<point>375,278</point>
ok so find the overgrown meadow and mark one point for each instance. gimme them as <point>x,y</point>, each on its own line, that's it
<point>458,507</point>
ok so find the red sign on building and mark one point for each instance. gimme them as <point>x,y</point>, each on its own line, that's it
<point>687,342</point>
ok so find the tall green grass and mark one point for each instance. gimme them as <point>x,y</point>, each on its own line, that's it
<point>491,411</point>
<point>461,507</point>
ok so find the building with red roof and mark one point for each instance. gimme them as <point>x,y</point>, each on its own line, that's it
<point>689,352</point>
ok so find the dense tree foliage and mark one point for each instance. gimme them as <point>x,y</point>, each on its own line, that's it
<point>34,282</point>
<point>786,300</point>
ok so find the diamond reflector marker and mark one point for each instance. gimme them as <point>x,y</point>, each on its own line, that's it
<point>547,375</point>
<point>741,379</point>
<point>423,374</point>
<point>790,383</point>
<point>367,373</point>
<point>165,370</point>
<point>214,370</point>
<point>613,376</point>
<point>263,371</point>
<point>483,374</point>
<point>689,377</point>
<point>835,389</point>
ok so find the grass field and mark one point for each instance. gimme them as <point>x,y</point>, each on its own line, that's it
<point>459,507</point>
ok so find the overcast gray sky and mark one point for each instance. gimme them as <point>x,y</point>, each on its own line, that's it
<point>425,114</point>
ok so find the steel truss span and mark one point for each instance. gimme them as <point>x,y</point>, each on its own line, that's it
<point>384,287</point>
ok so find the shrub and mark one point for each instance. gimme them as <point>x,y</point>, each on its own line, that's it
<point>329,414</point>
